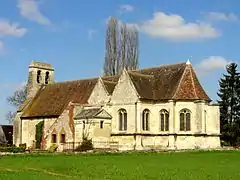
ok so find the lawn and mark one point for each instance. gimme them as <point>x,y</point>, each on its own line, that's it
<point>180,165</point>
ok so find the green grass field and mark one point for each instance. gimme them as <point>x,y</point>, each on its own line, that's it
<point>182,165</point>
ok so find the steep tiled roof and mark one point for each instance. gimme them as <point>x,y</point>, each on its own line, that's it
<point>24,104</point>
<point>189,87</point>
<point>53,98</point>
<point>143,83</point>
<point>110,82</point>
<point>177,81</point>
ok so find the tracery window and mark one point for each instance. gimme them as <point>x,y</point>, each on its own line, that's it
<point>185,120</point>
<point>145,120</point>
<point>122,115</point>
<point>164,120</point>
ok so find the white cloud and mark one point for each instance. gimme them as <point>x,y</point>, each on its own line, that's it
<point>126,8</point>
<point>30,10</point>
<point>174,27</point>
<point>217,16</point>
<point>1,46</point>
<point>91,32</point>
<point>212,63</point>
<point>11,29</point>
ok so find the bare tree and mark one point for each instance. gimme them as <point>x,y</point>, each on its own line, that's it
<point>122,47</point>
<point>18,97</point>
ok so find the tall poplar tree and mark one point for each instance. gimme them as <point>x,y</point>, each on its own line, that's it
<point>122,47</point>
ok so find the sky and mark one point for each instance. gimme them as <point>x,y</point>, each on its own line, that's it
<point>70,35</point>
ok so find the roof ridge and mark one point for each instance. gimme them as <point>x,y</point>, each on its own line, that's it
<point>117,76</point>
<point>107,81</point>
<point>161,66</point>
<point>141,74</point>
<point>179,83</point>
<point>76,80</point>
<point>191,73</point>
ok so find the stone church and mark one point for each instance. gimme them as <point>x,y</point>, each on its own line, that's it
<point>162,107</point>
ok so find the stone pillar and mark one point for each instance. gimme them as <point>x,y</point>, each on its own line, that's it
<point>172,120</point>
<point>138,118</point>
<point>172,124</point>
<point>200,118</point>
<point>138,137</point>
<point>138,145</point>
<point>204,118</point>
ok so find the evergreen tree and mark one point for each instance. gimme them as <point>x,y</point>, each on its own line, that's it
<point>229,94</point>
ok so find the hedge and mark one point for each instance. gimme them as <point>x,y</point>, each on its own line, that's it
<point>12,149</point>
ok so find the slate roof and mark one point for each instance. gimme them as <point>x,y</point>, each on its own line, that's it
<point>170,82</point>
<point>87,113</point>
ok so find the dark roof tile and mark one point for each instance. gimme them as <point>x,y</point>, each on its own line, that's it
<point>52,99</point>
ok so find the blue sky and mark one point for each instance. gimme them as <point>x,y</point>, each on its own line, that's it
<point>70,34</point>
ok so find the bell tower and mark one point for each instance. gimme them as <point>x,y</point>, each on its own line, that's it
<point>39,74</point>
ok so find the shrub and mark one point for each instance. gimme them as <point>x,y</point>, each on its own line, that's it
<point>225,143</point>
<point>53,148</point>
<point>12,149</point>
<point>85,145</point>
<point>23,146</point>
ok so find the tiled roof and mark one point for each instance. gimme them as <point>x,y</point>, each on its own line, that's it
<point>110,82</point>
<point>87,113</point>
<point>189,87</point>
<point>170,82</point>
<point>93,113</point>
<point>24,104</point>
<point>52,99</point>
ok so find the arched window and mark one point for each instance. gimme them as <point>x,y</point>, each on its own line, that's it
<point>164,120</point>
<point>47,78</point>
<point>145,120</point>
<point>39,76</point>
<point>122,114</point>
<point>185,120</point>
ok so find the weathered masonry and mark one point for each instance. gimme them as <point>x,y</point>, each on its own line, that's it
<point>162,107</point>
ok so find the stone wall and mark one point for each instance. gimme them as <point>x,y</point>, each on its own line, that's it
<point>17,129</point>
<point>92,130</point>
<point>64,124</point>
<point>99,94</point>
<point>29,129</point>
